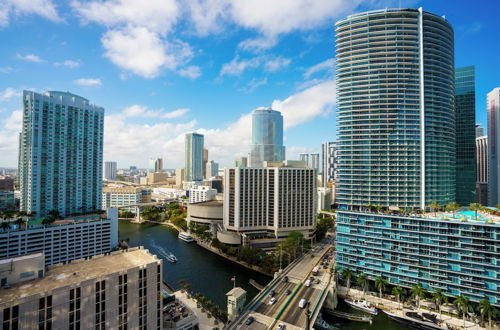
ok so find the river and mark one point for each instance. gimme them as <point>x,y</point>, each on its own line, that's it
<point>211,275</point>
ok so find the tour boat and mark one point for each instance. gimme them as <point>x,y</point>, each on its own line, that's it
<point>362,305</point>
<point>171,258</point>
<point>186,237</point>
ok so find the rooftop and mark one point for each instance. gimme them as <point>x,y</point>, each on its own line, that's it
<point>77,271</point>
<point>209,203</point>
<point>236,292</point>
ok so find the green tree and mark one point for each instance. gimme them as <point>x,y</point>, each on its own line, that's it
<point>475,207</point>
<point>363,282</point>
<point>5,225</point>
<point>398,292</point>
<point>347,275</point>
<point>379,208</point>
<point>380,284</point>
<point>487,311</point>
<point>439,299</point>
<point>452,207</point>
<point>418,292</point>
<point>434,206</point>
<point>322,226</point>
<point>462,303</point>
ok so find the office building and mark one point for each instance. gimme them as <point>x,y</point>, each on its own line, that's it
<point>305,158</point>
<point>205,161</point>
<point>493,108</point>
<point>267,137</point>
<point>311,160</point>
<point>194,160</point>
<point>241,162</point>
<point>479,130</point>
<point>329,162</point>
<point>263,205</point>
<point>215,183</point>
<point>212,169</point>
<point>396,139</point>
<point>121,290</point>
<point>206,213</point>
<point>465,119</point>
<point>60,154</point>
<point>325,200</point>
<point>154,178</point>
<point>123,196</point>
<point>179,177</point>
<point>198,194</point>
<point>109,170</point>
<point>6,183</point>
<point>64,240</point>
<point>482,170</point>
<point>155,165</point>
<point>7,201</point>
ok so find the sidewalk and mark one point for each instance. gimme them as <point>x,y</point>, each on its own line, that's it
<point>393,307</point>
<point>205,323</point>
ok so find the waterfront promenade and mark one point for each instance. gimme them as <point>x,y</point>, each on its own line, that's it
<point>204,322</point>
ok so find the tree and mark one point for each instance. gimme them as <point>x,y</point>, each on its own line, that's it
<point>54,214</point>
<point>434,207</point>
<point>439,299</point>
<point>486,310</point>
<point>398,292</point>
<point>347,274</point>
<point>379,208</point>
<point>380,284</point>
<point>363,282</point>
<point>418,292</point>
<point>452,207</point>
<point>462,303</point>
<point>369,206</point>
<point>322,227</point>
<point>5,225</point>
<point>475,207</point>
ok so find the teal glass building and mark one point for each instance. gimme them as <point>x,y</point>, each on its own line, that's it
<point>267,137</point>
<point>194,144</point>
<point>465,113</point>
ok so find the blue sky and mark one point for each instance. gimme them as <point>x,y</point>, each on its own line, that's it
<point>161,68</point>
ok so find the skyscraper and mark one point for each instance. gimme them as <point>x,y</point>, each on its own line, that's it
<point>482,170</point>
<point>60,153</point>
<point>329,159</point>
<point>311,160</point>
<point>395,114</point>
<point>205,162</point>
<point>267,137</point>
<point>241,162</point>
<point>212,169</point>
<point>465,116</point>
<point>305,158</point>
<point>110,170</point>
<point>479,130</point>
<point>493,107</point>
<point>155,165</point>
<point>194,157</point>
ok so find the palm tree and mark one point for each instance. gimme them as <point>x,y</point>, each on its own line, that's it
<point>418,292</point>
<point>369,206</point>
<point>439,299</point>
<point>487,310</point>
<point>462,303</point>
<point>380,284</point>
<point>347,274</point>
<point>452,207</point>
<point>379,208</point>
<point>363,282</point>
<point>398,292</point>
<point>434,207</point>
<point>475,207</point>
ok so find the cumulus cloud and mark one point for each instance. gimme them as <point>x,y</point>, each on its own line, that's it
<point>43,8</point>
<point>9,138</point>
<point>276,64</point>
<point>9,93</point>
<point>270,64</point>
<point>191,72</point>
<point>68,63</point>
<point>30,57</point>
<point>325,65</point>
<point>14,121</point>
<point>88,82</point>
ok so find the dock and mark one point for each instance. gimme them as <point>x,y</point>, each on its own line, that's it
<point>256,285</point>
<point>348,316</point>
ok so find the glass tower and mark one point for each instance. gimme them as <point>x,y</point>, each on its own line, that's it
<point>60,154</point>
<point>194,157</point>
<point>395,114</point>
<point>465,113</point>
<point>267,137</point>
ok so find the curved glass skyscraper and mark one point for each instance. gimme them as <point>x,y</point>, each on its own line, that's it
<point>395,115</point>
<point>267,137</point>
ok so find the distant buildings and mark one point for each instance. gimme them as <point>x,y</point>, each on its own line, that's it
<point>482,170</point>
<point>154,178</point>
<point>479,130</point>
<point>155,165</point>
<point>311,160</point>
<point>329,162</point>
<point>123,196</point>
<point>325,198</point>
<point>60,153</point>
<point>121,290</point>
<point>179,176</point>
<point>198,194</point>
<point>7,199</point>
<point>194,157</point>
<point>110,171</point>
<point>493,108</point>
<point>205,162</point>
<point>267,137</point>
<point>465,119</point>
<point>241,162</point>
<point>212,169</point>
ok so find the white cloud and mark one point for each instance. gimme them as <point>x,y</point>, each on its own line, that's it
<point>88,82</point>
<point>68,63</point>
<point>15,121</point>
<point>237,67</point>
<point>254,84</point>
<point>191,72</point>
<point>276,64</point>
<point>30,57</point>
<point>208,16</point>
<point>9,93</point>
<point>325,65</point>
<point>143,111</point>
<point>9,138</point>
<point>44,8</point>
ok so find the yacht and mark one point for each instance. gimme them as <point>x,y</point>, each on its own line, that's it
<point>171,258</point>
<point>416,321</point>
<point>362,305</point>
<point>186,237</point>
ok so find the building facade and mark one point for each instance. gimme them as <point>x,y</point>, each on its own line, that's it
<point>457,256</point>
<point>465,122</point>
<point>123,196</point>
<point>121,290</point>
<point>493,108</point>
<point>396,137</point>
<point>64,240</point>
<point>155,165</point>
<point>329,162</point>
<point>198,194</point>
<point>193,170</point>
<point>311,160</point>
<point>267,137</point>
<point>482,170</point>
<point>110,171</point>
<point>212,169</point>
<point>60,154</point>
<point>241,162</point>
<point>479,130</point>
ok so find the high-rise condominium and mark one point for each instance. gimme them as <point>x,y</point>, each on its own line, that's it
<point>479,130</point>
<point>155,165</point>
<point>60,153</point>
<point>482,170</point>
<point>267,137</point>
<point>493,106</point>
<point>395,115</point>
<point>465,116</point>
<point>194,157</point>
<point>212,169</point>
<point>329,159</point>
<point>110,170</point>
<point>311,160</point>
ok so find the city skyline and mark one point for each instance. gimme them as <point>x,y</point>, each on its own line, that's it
<point>151,105</point>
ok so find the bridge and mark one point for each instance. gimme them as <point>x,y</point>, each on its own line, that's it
<point>290,287</point>
<point>138,207</point>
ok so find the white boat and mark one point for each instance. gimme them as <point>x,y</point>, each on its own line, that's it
<point>186,237</point>
<point>171,258</point>
<point>321,324</point>
<point>362,305</point>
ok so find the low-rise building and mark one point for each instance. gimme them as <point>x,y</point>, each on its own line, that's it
<point>206,213</point>
<point>21,269</point>
<point>177,316</point>
<point>236,299</point>
<point>123,196</point>
<point>120,290</point>
<point>198,194</point>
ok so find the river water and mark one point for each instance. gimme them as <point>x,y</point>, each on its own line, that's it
<point>211,275</point>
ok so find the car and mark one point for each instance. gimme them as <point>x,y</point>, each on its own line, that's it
<point>249,320</point>
<point>308,283</point>
<point>311,278</point>
<point>325,267</point>
<point>288,291</point>
<point>272,293</point>
<point>280,326</point>
<point>272,301</point>
<point>285,279</point>
<point>302,303</point>
<point>317,281</point>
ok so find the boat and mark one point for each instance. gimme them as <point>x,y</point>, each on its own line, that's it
<point>415,321</point>
<point>362,305</point>
<point>186,237</point>
<point>171,258</point>
<point>321,324</point>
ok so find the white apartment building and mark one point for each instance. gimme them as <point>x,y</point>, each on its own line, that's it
<point>60,154</point>
<point>110,171</point>
<point>198,194</point>
<point>120,290</point>
<point>123,196</point>
<point>64,240</point>
<point>329,153</point>
<point>270,202</point>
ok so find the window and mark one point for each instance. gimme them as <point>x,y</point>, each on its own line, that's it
<point>100,305</point>
<point>45,313</point>
<point>74,308</point>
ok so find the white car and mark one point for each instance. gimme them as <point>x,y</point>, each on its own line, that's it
<point>280,326</point>
<point>272,301</point>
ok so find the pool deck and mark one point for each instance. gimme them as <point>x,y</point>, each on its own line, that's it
<point>468,216</point>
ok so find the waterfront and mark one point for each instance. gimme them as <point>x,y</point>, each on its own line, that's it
<point>211,275</point>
